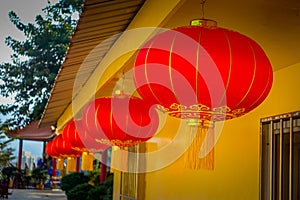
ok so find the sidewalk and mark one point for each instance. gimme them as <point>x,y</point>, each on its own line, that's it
<point>32,194</point>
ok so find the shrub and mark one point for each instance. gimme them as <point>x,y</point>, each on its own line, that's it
<point>94,177</point>
<point>79,192</point>
<point>10,172</point>
<point>97,193</point>
<point>72,180</point>
<point>103,191</point>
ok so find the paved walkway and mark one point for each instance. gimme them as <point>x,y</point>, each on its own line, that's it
<point>32,194</point>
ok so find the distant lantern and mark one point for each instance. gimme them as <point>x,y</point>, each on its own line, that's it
<point>120,120</point>
<point>65,151</point>
<point>203,73</point>
<point>52,151</point>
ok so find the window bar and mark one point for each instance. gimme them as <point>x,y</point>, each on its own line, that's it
<point>271,159</point>
<point>280,161</point>
<point>121,184</point>
<point>137,155</point>
<point>124,196</point>
<point>291,159</point>
<point>261,160</point>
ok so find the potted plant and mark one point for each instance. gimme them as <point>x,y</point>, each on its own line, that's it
<point>40,175</point>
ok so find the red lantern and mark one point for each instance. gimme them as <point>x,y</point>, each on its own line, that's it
<point>120,120</point>
<point>203,72</point>
<point>64,147</point>
<point>65,150</point>
<point>81,141</point>
<point>70,133</point>
<point>79,138</point>
<point>50,149</point>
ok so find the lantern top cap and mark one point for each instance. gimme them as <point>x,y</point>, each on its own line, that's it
<point>207,23</point>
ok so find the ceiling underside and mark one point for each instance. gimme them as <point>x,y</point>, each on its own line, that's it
<point>99,23</point>
<point>274,24</point>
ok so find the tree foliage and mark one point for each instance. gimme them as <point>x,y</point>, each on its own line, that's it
<point>30,75</point>
<point>6,155</point>
<point>6,152</point>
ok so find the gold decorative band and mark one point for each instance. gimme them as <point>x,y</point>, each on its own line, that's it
<point>119,143</point>
<point>203,112</point>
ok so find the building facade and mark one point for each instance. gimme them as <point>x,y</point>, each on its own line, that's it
<point>107,62</point>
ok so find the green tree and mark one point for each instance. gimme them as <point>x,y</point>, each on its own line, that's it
<point>6,152</point>
<point>30,75</point>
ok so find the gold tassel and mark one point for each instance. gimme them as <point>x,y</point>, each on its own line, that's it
<point>192,159</point>
<point>60,164</point>
<point>113,158</point>
<point>119,159</point>
<point>87,161</point>
<point>71,164</point>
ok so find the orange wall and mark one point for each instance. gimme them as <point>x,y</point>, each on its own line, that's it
<point>236,174</point>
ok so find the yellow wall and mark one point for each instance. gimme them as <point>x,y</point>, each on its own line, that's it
<point>236,174</point>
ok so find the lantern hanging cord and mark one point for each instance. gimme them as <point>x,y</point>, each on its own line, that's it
<point>202,7</point>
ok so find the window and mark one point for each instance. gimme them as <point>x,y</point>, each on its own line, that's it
<point>280,157</point>
<point>133,184</point>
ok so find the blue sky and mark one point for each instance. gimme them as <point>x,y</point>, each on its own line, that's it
<point>26,10</point>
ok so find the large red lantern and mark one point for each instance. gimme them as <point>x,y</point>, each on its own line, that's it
<point>120,120</point>
<point>197,71</point>
<point>203,72</point>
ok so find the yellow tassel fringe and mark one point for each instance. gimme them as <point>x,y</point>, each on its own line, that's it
<point>191,156</point>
